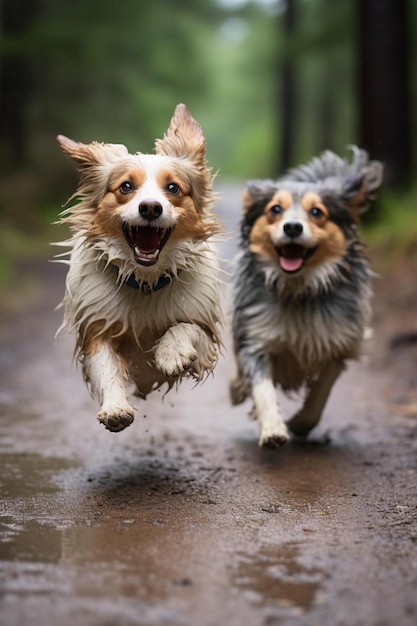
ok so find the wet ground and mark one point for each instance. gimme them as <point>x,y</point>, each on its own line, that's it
<point>181,519</point>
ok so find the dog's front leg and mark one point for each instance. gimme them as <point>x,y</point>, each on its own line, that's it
<point>317,394</point>
<point>185,348</point>
<point>106,375</point>
<point>267,411</point>
<point>256,369</point>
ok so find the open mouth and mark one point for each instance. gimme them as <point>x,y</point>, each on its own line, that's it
<point>293,256</point>
<point>146,242</point>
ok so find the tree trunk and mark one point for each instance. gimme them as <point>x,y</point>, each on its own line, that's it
<point>287,91</point>
<point>16,81</point>
<point>384,82</point>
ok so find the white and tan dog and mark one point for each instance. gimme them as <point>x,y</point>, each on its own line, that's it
<point>142,286</point>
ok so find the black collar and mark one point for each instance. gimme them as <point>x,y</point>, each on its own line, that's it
<point>163,281</point>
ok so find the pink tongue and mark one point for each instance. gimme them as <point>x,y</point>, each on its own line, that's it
<point>147,239</point>
<point>290,265</point>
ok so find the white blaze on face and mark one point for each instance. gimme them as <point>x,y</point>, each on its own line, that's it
<point>148,214</point>
<point>150,191</point>
<point>292,237</point>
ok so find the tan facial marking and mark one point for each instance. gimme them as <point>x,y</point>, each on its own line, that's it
<point>327,237</point>
<point>165,177</point>
<point>188,224</point>
<point>262,231</point>
<point>282,198</point>
<point>313,200</point>
<point>260,238</point>
<point>106,220</point>
<point>331,244</point>
<point>114,196</point>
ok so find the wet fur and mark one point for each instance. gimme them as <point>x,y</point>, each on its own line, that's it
<point>297,329</point>
<point>141,338</point>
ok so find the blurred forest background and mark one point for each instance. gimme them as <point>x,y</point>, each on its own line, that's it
<point>272,82</point>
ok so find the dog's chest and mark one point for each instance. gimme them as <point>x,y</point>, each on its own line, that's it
<point>311,330</point>
<point>140,361</point>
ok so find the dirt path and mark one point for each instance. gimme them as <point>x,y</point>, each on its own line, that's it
<point>181,519</point>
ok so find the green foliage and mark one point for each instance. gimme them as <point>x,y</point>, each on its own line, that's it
<point>393,234</point>
<point>239,116</point>
<point>17,247</point>
<point>115,71</point>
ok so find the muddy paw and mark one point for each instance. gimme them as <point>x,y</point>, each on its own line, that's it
<point>116,420</point>
<point>274,438</point>
<point>173,363</point>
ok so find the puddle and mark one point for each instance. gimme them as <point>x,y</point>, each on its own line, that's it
<point>275,578</point>
<point>31,542</point>
<point>26,475</point>
<point>31,513</point>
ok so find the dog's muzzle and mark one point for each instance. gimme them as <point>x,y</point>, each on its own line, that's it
<point>292,257</point>
<point>146,242</point>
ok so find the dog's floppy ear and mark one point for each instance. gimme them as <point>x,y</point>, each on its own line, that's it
<point>359,186</point>
<point>184,138</point>
<point>91,154</point>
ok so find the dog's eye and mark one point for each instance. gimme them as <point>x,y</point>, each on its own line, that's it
<point>173,188</point>
<point>276,209</point>
<point>316,212</point>
<point>126,187</point>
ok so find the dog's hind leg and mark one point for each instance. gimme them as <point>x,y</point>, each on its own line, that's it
<point>106,376</point>
<point>266,409</point>
<point>317,394</point>
<point>238,389</point>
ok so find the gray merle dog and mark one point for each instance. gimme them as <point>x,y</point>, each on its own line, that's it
<point>301,287</point>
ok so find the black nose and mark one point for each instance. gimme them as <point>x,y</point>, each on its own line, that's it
<point>150,209</point>
<point>293,229</point>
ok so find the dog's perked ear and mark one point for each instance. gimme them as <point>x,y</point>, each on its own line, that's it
<point>359,186</point>
<point>184,138</point>
<point>257,192</point>
<point>256,195</point>
<point>91,154</point>
<point>94,160</point>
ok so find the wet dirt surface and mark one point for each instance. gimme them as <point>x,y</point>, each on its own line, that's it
<point>181,519</point>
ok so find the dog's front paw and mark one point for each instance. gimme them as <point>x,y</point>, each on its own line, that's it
<point>174,357</point>
<point>117,419</point>
<point>274,437</point>
<point>173,363</point>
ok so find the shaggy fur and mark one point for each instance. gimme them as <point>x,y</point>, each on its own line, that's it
<point>142,286</point>
<point>301,288</point>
